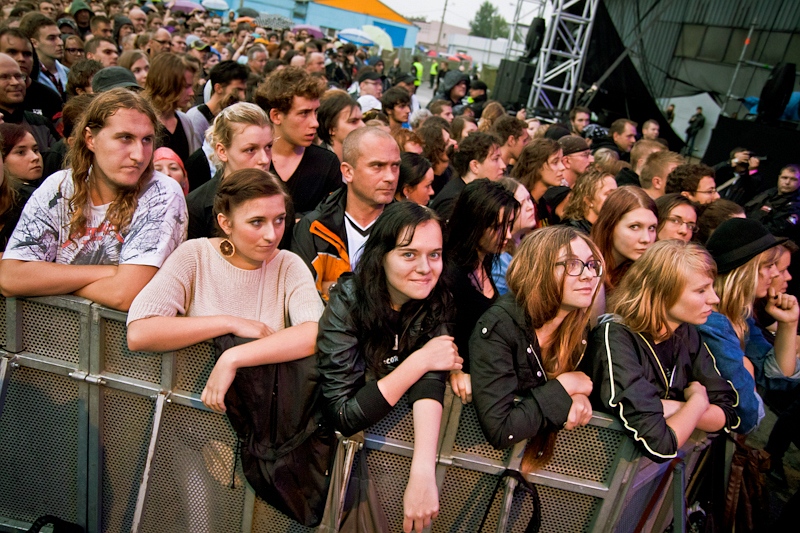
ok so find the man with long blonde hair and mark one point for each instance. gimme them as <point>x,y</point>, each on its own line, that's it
<point>101,228</point>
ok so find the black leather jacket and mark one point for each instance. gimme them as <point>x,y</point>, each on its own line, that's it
<point>505,366</point>
<point>353,401</point>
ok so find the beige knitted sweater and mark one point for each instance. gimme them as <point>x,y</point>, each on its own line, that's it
<point>196,280</point>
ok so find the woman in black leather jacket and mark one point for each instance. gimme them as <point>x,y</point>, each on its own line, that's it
<point>528,344</point>
<point>384,334</point>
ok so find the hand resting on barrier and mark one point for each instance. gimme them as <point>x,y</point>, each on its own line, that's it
<point>649,365</point>
<point>524,379</point>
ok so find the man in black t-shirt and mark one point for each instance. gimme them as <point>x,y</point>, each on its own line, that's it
<point>291,98</point>
<point>228,83</point>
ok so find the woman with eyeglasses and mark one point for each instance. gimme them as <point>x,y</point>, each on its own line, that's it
<point>650,366</point>
<point>73,50</point>
<point>526,348</point>
<point>677,218</point>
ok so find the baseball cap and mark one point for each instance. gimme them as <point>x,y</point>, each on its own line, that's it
<point>112,78</point>
<point>572,144</point>
<point>368,75</point>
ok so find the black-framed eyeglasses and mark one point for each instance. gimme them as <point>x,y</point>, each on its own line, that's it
<point>678,222</point>
<point>165,42</point>
<point>574,267</point>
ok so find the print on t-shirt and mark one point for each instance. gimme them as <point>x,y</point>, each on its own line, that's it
<point>158,226</point>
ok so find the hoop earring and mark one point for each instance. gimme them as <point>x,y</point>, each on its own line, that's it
<point>227,248</point>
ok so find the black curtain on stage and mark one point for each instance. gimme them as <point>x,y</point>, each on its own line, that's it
<point>623,94</point>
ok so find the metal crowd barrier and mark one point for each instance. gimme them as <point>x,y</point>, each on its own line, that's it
<point>116,441</point>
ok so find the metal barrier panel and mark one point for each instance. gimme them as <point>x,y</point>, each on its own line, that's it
<point>193,486</point>
<point>116,358</point>
<point>463,499</point>
<point>646,481</point>
<point>51,331</point>
<point>41,443</point>
<point>193,365</point>
<point>154,459</point>
<point>2,321</point>
<point>126,421</point>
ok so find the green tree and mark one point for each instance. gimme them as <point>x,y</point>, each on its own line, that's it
<point>488,23</point>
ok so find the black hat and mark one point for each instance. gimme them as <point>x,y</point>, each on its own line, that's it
<point>67,22</point>
<point>572,144</point>
<point>369,75</point>
<point>553,196</point>
<point>224,29</point>
<point>737,240</point>
<point>479,85</point>
<point>405,78</point>
<point>113,77</point>
<point>556,131</point>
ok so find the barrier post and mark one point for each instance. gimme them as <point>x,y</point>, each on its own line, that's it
<point>679,498</point>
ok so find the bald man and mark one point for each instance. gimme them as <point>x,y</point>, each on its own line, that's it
<point>139,19</point>
<point>342,222</point>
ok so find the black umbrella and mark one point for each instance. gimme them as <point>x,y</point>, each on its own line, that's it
<point>248,12</point>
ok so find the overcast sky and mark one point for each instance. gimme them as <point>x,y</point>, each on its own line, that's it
<point>459,12</point>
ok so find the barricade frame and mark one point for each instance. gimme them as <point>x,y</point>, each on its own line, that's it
<point>94,377</point>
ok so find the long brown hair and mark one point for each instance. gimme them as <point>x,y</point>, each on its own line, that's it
<point>618,204</point>
<point>531,278</point>
<point>166,81</point>
<point>583,192</point>
<point>540,292</point>
<point>534,156</point>
<point>81,159</point>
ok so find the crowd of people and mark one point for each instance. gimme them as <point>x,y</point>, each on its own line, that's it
<point>348,248</point>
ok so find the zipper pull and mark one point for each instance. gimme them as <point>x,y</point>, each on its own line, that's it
<point>396,341</point>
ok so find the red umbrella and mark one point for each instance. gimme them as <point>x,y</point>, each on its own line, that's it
<point>432,53</point>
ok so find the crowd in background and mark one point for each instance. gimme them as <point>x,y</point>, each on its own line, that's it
<point>289,198</point>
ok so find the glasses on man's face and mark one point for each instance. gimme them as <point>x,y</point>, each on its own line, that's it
<point>678,222</point>
<point>712,190</point>
<point>165,42</point>
<point>574,267</point>
<point>74,50</point>
<point>5,78</point>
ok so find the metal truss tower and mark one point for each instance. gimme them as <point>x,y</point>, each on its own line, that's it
<point>561,59</point>
<point>526,10</point>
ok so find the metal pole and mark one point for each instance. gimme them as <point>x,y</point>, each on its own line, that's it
<point>739,63</point>
<point>441,27</point>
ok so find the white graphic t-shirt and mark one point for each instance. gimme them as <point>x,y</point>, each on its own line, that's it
<point>158,226</point>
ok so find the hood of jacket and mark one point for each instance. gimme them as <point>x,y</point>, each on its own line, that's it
<point>78,5</point>
<point>450,80</point>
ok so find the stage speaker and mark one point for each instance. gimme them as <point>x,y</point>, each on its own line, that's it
<point>513,85</point>
<point>776,92</point>
<point>534,40</point>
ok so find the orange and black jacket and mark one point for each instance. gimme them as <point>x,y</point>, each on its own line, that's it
<point>320,239</point>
